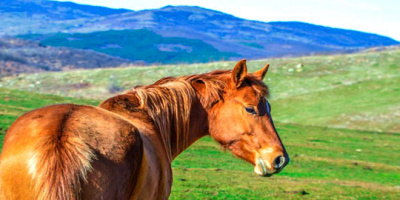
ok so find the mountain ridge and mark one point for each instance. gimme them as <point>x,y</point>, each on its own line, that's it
<point>24,56</point>
<point>69,9</point>
<point>226,33</point>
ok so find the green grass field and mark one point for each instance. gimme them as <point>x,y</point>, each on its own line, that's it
<point>338,117</point>
<point>325,163</point>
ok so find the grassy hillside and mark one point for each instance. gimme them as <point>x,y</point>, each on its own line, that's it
<point>337,116</point>
<point>24,56</point>
<point>137,45</point>
<point>357,91</point>
<point>325,163</point>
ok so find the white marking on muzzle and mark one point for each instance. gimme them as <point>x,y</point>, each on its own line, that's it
<point>264,170</point>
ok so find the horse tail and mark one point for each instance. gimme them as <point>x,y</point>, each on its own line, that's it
<point>59,166</point>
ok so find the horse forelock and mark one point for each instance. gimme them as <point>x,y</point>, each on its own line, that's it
<point>258,85</point>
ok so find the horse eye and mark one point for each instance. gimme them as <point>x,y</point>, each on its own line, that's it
<point>251,110</point>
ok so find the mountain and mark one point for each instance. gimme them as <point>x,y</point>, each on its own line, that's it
<point>55,10</point>
<point>22,56</point>
<point>38,16</point>
<point>175,33</point>
<point>140,45</point>
<point>252,39</point>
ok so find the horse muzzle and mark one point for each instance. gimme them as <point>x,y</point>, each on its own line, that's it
<point>267,167</point>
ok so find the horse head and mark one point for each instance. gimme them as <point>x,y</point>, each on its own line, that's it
<point>241,121</point>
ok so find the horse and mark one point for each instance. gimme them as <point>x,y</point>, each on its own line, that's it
<point>123,148</point>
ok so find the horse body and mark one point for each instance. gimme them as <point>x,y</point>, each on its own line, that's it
<point>66,147</point>
<point>124,148</point>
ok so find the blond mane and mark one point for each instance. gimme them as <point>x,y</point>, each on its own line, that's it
<point>168,102</point>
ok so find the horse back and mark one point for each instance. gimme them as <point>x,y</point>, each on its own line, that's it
<point>69,152</point>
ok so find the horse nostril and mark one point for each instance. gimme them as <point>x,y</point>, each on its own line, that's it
<point>279,162</point>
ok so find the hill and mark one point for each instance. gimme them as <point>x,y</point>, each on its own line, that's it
<point>23,56</point>
<point>357,91</point>
<point>55,10</point>
<point>176,28</point>
<point>337,116</point>
<point>250,39</point>
<point>30,16</point>
<point>140,45</point>
<point>325,163</point>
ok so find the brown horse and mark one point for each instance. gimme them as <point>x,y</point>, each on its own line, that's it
<point>123,149</point>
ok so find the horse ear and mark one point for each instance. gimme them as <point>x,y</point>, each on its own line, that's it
<point>201,90</point>
<point>239,72</point>
<point>200,87</point>
<point>261,73</point>
<point>206,92</point>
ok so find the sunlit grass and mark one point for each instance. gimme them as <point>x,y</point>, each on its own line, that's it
<point>337,116</point>
<point>325,163</point>
<point>356,91</point>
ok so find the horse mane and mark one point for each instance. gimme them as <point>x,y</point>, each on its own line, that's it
<point>168,102</point>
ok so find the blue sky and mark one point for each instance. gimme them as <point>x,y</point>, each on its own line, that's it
<point>373,16</point>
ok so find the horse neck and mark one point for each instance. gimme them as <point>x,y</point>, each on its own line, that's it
<point>181,119</point>
<point>198,127</point>
<point>177,114</point>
